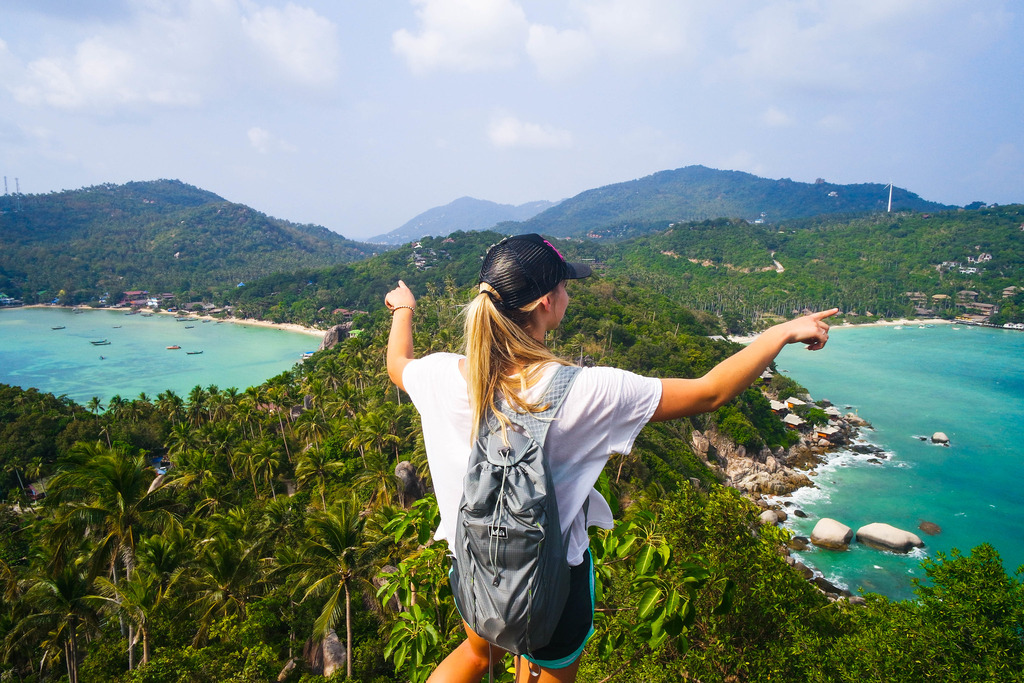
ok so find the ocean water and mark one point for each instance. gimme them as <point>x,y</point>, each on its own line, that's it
<point>911,382</point>
<point>32,354</point>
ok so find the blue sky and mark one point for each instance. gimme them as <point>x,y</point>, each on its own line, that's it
<point>360,115</point>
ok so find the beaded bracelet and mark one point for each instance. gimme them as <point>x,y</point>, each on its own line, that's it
<point>411,308</point>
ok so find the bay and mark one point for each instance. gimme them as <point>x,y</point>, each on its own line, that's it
<point>64,361</point>
<point>909,382</point>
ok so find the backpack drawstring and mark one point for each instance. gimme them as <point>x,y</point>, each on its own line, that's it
<point>496,519</point>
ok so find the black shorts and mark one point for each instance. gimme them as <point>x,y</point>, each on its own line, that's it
<point>576,625</point>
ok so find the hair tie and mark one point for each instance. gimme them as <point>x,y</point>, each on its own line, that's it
<point>495,298</point>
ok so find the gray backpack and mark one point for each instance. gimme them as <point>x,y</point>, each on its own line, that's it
<point>509,575</point>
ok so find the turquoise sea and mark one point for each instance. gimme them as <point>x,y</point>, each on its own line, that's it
<point>910,382</point>
<point>64,361</point>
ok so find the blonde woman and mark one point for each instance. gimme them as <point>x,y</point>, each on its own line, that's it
<point>522,296</point>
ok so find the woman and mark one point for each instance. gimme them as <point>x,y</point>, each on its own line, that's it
<point>522,296</point>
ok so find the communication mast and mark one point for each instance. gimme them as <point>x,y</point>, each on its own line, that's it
<point>890,198</point>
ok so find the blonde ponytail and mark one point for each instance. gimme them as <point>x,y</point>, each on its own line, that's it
<point>503,359</point>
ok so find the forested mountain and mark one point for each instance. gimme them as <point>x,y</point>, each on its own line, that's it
<point>877,265</point>
<point>697,193</point>
<point>465,213</point>
<point>161,236</point>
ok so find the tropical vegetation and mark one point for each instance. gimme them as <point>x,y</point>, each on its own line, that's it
<point>281,522</point>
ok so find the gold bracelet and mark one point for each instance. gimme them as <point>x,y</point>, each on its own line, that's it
<point>411,308</point>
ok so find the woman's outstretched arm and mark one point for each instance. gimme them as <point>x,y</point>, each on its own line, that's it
<point>725,381</point>
<point>401,302</point>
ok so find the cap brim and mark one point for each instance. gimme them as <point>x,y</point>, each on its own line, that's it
<point>578,270</point>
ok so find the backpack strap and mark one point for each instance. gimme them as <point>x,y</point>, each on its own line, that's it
<point>537,424</point>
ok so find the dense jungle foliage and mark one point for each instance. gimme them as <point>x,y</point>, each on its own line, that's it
<point>282,522</point>
<point>162,236</point>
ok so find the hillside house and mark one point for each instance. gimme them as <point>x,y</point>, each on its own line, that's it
<point>793,402</point>
<point>827,432</point>
<point>793,421</point>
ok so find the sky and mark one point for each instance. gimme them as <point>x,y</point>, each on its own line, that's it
<point>360,115</point>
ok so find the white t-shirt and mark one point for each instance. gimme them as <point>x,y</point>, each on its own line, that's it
<point>601,415</point>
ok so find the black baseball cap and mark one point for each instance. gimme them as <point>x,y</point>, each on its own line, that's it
<point>523,268</point>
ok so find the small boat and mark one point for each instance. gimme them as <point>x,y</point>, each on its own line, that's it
<point>173,347</point>
<point>189,327</point>
<point>117,327</point>
<point>193,353</point>
<point>103,357</point>
<point>99,342</point>
<point>61,327</point>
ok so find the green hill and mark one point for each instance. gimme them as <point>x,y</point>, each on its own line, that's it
<point>156,236</point>
<point>697,193</point>
<point>878,265</point>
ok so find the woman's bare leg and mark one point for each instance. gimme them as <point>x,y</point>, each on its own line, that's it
<point>563,675</point>
<point>468,662</point>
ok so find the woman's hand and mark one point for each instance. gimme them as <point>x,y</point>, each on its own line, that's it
<point>809,329</point>
<point>400,296</point>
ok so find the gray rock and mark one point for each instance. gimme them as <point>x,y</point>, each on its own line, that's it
<point>334,654</point>
<point>769,517</point>
<point>288,668</point>
<point>887,537</point>
<point>940,437</point>
<point>411,484</point>
<point>798,543</point>
<point>336,334</point>
<point>803,570</point>
<point>828,533</point>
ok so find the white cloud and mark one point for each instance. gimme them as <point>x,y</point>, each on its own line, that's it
<point>831,47</point>
<point>559,54</point>
<point>181,54</point>
<point>463,35</point>
<point>507,131</point>
<point>640,29</point>
<point>297,41</point>
<point>773,117</point>
<point>264,142</point>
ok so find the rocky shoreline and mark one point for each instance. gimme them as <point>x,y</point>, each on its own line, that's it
<point>772,472</point>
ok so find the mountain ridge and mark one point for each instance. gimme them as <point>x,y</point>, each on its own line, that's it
<point>464,213</point>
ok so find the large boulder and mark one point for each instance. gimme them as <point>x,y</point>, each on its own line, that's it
<point>411,485</point>
<point>334,654</point>
<point>828,533</point>
<point>338,333</point>
<point>930,528</point>
<point>887,537</point>
<point>940,438</point>
<point>770,517</point>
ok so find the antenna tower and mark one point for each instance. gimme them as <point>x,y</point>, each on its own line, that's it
<point>17,195</point>
<point>890,198</point>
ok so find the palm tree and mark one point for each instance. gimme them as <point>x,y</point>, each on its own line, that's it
<point>134,600</point>
<point>95,405</point>
<point>266,460</point>
<point>60,607</point>
<point>379,477</point>
<point>332,563</point>
<point>171,405</point>
<point>225,576</point>
<point>316,466</point>
<point>108,497</point>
